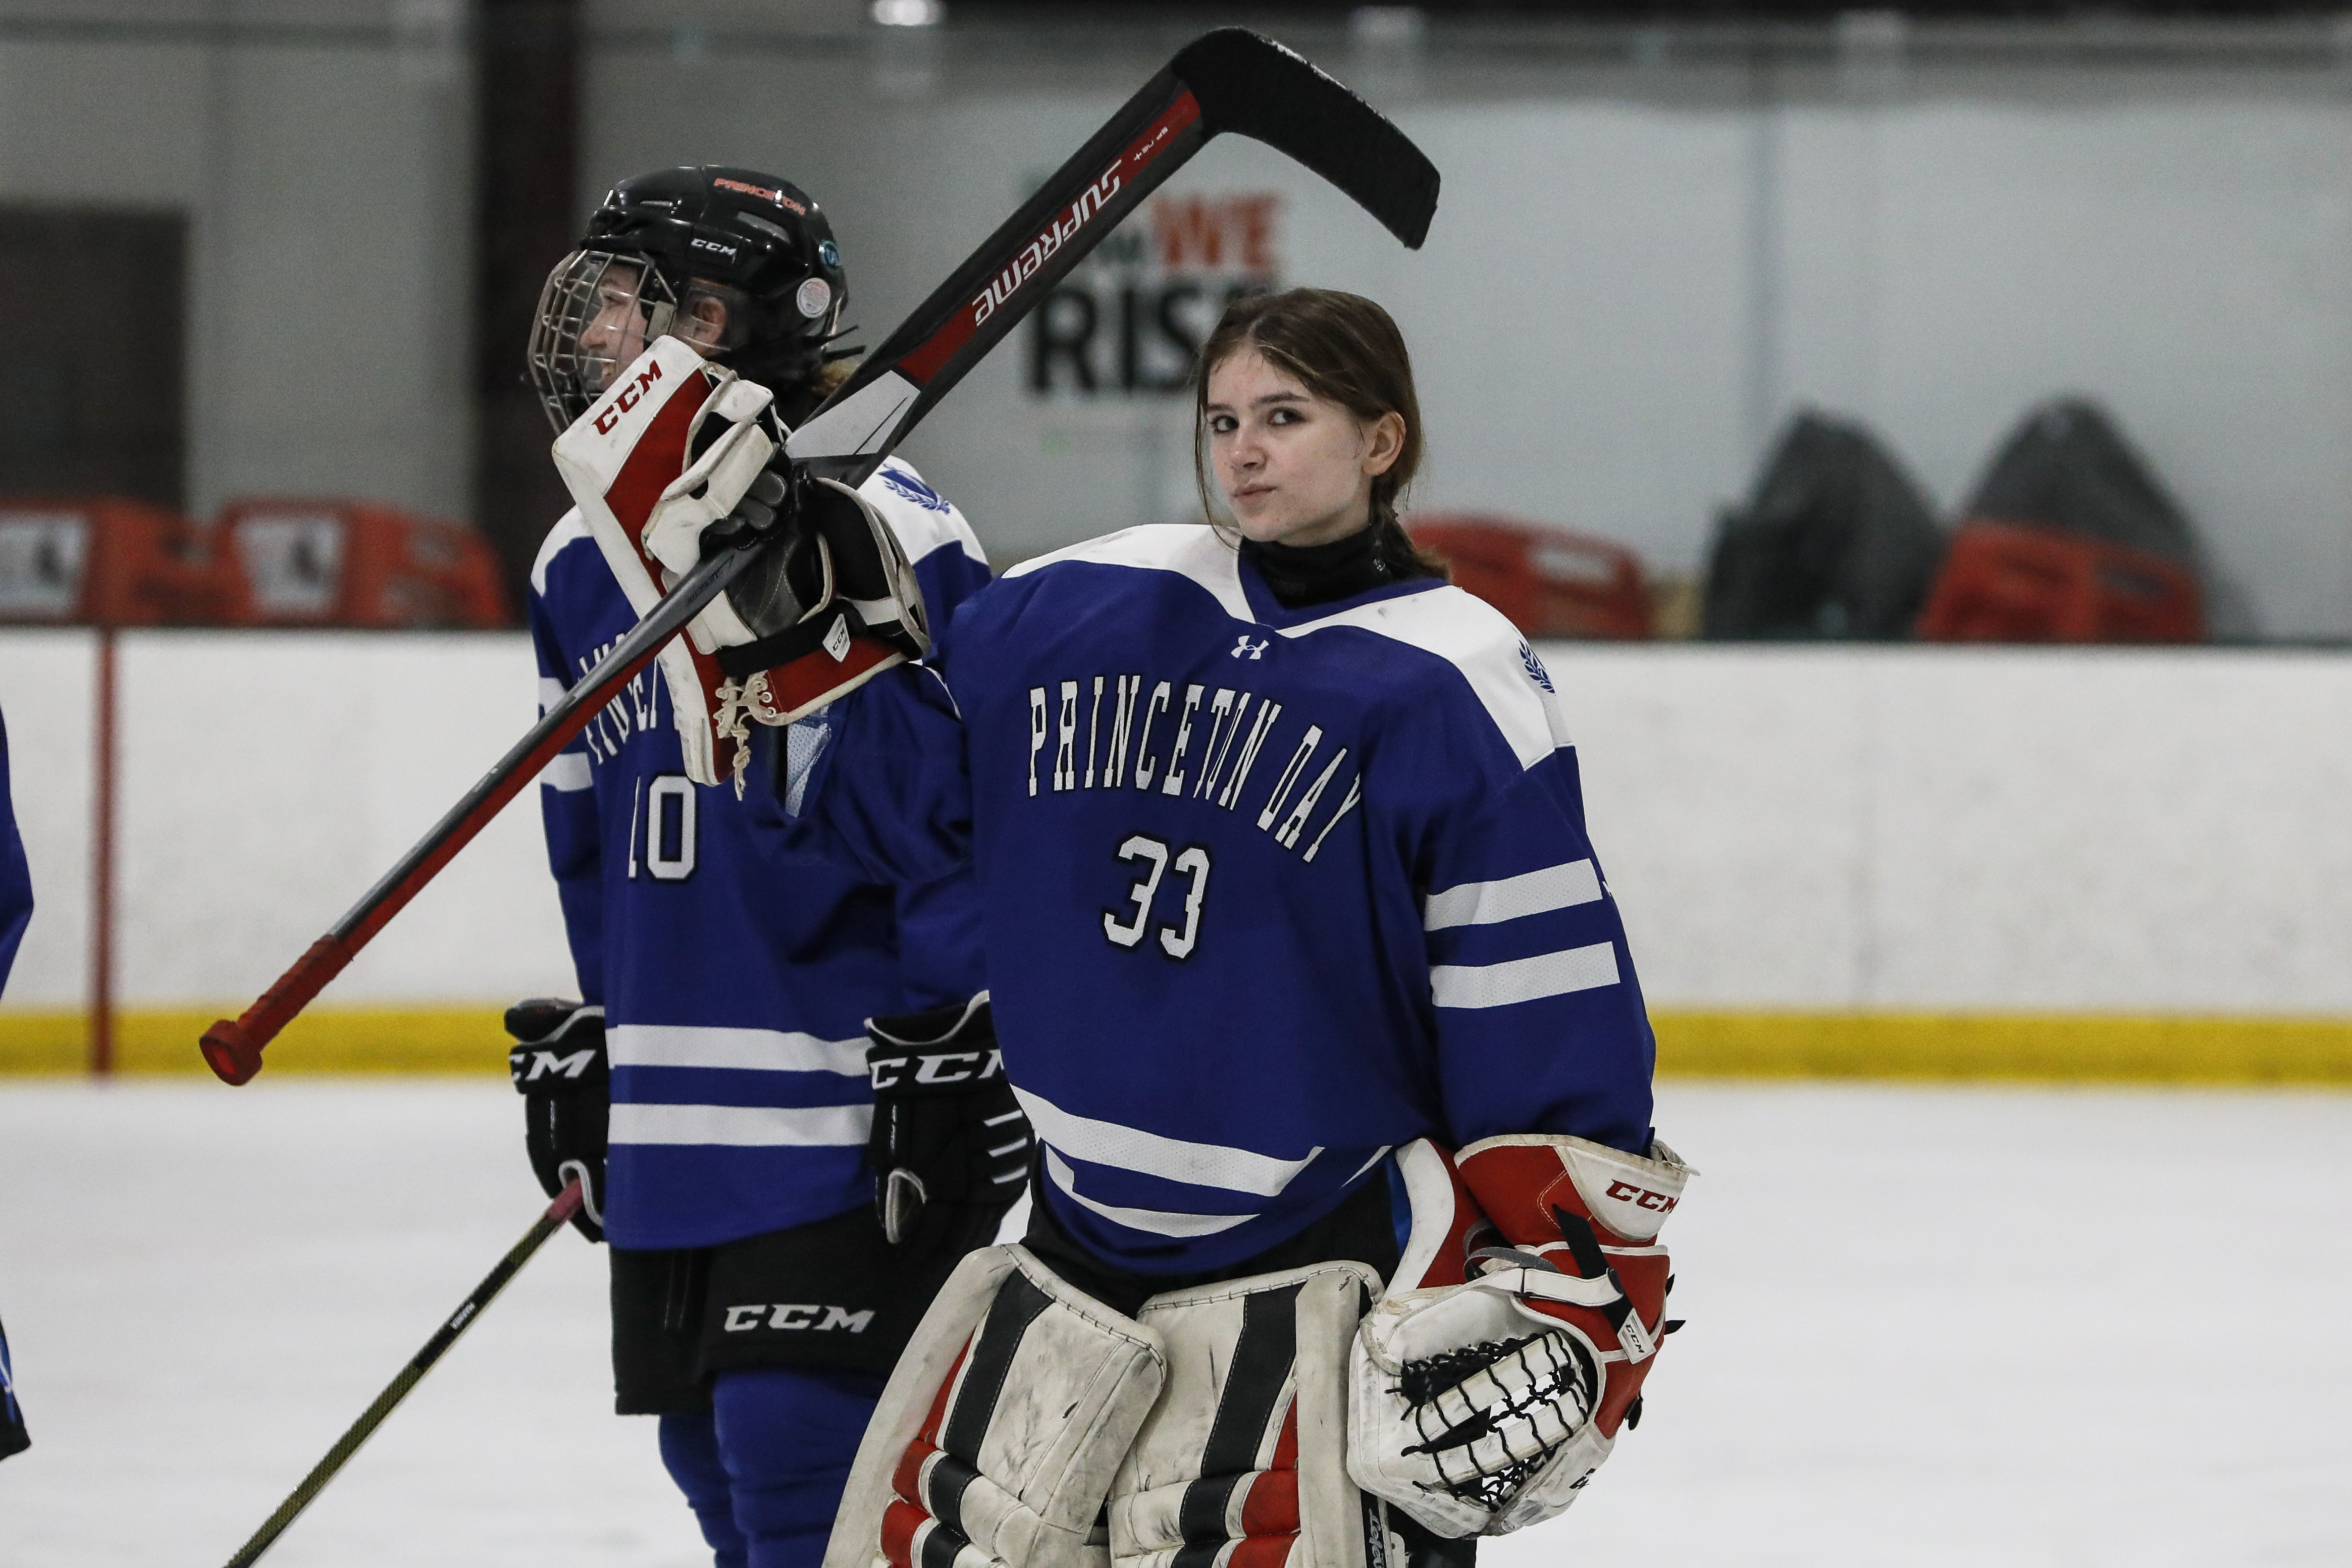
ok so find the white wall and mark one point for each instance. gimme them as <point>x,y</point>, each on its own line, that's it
<point>267,780</point>
<point>2127,830</point>
<point>1891,828</point>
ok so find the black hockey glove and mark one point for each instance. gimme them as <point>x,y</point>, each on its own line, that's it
<point>947,1129</point>
<point>558,1063</point>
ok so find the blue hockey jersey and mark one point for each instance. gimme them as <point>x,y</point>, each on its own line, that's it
<point>16,880</point>
<point>735,976</point>
<point>1268,891</point>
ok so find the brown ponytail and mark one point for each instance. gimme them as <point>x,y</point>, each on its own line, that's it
<point>1344,349</point>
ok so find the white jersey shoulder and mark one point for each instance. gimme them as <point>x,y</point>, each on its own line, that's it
<point>570,531</point>
<point>1190,550</point>
<point>923,519</point>
<point>1480,643</point>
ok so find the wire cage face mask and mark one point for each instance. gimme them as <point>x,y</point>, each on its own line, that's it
<point>597,313</point>
<point>599,310</point>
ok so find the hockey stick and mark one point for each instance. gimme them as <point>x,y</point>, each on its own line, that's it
<point>232,1047</point>
<point>559,1213</point>
<point>1226,81</point>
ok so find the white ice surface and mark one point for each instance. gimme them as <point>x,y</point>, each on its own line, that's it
<point>1927,1327</point>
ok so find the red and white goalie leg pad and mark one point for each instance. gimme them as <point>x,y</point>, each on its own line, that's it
<point>1242,1462</point>
<point>630,457</point>
<point>1483,1407</point>
<point>997,1438</point>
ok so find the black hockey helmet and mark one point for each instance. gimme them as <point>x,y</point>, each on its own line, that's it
<point>740,264</point>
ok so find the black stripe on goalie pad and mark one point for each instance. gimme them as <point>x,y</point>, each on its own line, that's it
<point>1256,1380</point>
<point>1018,1304</point>
<point>1049,1387</point>
<point>930,1357</point>
<point>944,1485</point>
<point>1240,1355</point>
<point>940,1547</point>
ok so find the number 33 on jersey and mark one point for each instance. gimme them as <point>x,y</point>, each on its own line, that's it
<point>1269,891</point>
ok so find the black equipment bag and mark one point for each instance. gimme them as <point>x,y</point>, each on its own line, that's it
<point>2067,467</point>
<point>1836,543</point>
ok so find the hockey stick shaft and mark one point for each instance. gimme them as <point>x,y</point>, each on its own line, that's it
<point>232,1048</point>
<point>559,1213</point>
<point>1225,81</point>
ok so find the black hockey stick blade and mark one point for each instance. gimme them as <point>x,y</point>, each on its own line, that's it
<point>558,1215</point>
<point>1253,87</point>
<point>1227,81</point>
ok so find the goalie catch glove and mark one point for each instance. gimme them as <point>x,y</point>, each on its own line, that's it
<point>947,1129</point>
<point>683,456</point>
<point>559,1065</point>
<point>1483,1406</point>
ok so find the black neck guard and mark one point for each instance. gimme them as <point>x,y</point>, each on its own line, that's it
<point>1301,574</point>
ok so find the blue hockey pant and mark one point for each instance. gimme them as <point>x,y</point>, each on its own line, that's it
<point>763,1471</point>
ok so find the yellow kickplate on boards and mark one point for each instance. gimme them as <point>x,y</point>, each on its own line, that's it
<point>452,1039</point>
<point>2056,1047</point>
<point>2069,1047</point>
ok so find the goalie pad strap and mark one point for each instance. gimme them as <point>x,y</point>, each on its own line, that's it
<point>836,627</point>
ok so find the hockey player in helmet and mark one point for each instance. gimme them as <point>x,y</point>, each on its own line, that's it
<point>712,1083</point>
<point>740,265</point>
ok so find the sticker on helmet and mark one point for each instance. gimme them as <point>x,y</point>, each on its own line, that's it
<point>829,253</point>
<point>720,182</point>
<point>813,297</point>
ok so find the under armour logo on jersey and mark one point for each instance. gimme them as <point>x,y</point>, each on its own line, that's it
<point>1255,650</point>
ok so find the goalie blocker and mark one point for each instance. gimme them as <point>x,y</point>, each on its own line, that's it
<point>684,457</point>
<point>1306,1418</point>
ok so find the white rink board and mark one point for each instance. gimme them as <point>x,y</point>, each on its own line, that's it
<point>2111,829</point>
<point>265,781</point>
<point>1902,1352</point>
<point>1885,827</point>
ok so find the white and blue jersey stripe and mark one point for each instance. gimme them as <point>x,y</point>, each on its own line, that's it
<point>735,976</point>
<point>1269,892</point>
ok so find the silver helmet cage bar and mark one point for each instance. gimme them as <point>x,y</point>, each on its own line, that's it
<point>596,313</point>
<point>599,310</point>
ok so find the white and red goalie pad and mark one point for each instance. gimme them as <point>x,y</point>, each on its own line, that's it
<point>619,460</point>
<point>1029,1426</point>
<point>1242,1461</point>
<point>1001,1427</point>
